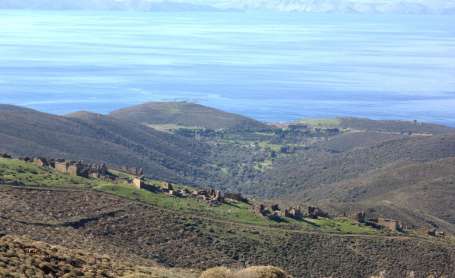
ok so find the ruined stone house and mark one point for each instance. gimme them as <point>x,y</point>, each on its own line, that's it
<point>315,213</point>
<point>360,217</point>
<point>71,168</point>
<point>97,170</point>
<point>138,182</point>
<point>61,166</point>
<point>294,213</point>
<point>133,170</point>
<point>391,224</point>
<point>41,162</point>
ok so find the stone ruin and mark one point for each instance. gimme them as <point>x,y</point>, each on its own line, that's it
<point>135,171</point>
<point>72,168</point>
<point>212,196</point>
<point>275,213</point>
<point>315,213</point>
<point>294,213</point>
<point>435,232</point>
<point>77,169</point>
<point>379,222</point>
<point>138,182</point>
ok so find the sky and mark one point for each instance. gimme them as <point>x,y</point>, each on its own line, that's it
<point>344,6</point>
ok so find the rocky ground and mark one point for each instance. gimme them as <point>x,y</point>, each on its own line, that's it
<point>142,234</point>
<point>22,257</point>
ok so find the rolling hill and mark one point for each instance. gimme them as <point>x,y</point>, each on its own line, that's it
<point>393,168</point>
<point>317,167</point>
<point>185,114</point>
<point>394,126</point>
<point>94,137</point>
<point>418,193</point>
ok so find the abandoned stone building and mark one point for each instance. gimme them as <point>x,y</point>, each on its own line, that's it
<point>436,233</point>
<point>391,224</point>
<point>379,222</point>
<point>360,217</point>
<point>135,171</point>
<point>213,197</point>
<point>138,182</point>
<point>41,161</point>
<point>80,169</point>
<point>294,213</point>
<point>275,212</point>
<point>71,168</point>
<point>315,212</point>
<point>98,170</point>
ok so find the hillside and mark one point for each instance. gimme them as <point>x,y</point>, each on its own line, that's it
<point>138,227</point>
<point>384,126</point>
<point>394,126</point>
<point>365,166</point>
<point>93,137</point>
<point>420,194</point>
<point>316,167</point>
<point>185,114</point>
<point>22,256</point>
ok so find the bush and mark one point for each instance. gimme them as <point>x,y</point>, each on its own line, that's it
<point>217,272</point>
<point>251,272</point>
<point>261,272</point>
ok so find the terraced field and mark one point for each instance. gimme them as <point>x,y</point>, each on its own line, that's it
<point>144,228</point>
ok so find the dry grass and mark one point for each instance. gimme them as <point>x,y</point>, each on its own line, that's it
<point>251,272</point>
<point>22,257</point>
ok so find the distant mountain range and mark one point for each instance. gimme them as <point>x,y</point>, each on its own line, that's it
<point>320,6</point>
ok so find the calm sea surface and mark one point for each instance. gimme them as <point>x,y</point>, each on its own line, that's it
<point>271,66</point>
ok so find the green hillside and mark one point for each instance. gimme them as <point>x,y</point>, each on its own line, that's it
<point>16,172</point>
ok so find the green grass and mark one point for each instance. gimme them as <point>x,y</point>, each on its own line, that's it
<point>263,165</point>
<point>343,225</point>
<point>236,212</point>
<point>170,127</point>
<point>321,122</point>
<point>272,147</point>
<point>31,175</point>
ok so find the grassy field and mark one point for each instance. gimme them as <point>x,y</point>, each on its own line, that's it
<point>28,174</point>
<point>321,122</point>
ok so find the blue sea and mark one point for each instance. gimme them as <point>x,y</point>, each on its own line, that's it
<point>270,66</point>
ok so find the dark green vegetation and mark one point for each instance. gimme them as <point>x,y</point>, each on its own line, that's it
<point>143,228</point>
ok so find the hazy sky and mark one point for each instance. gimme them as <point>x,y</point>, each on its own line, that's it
<point>362,6</point>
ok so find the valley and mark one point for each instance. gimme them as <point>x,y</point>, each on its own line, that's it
<point>396,170</point>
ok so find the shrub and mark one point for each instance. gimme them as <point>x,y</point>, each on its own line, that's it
<point>251,272</point>
<point>261,272</point>
<point>217,272</point>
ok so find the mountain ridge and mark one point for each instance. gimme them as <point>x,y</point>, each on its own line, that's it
<point>344,6</point>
